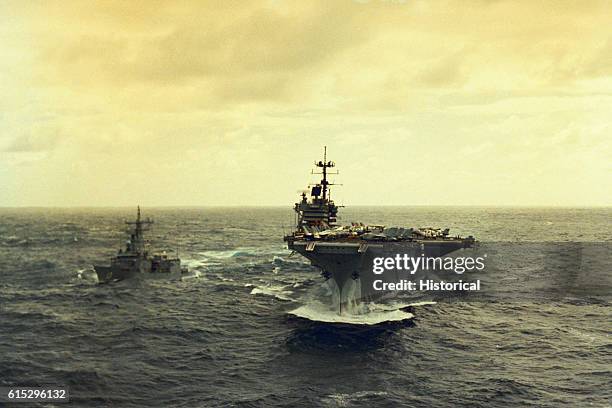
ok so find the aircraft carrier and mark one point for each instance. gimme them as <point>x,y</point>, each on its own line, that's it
<point>345,254</point>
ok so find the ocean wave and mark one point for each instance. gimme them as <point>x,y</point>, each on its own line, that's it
<point>87,275</point>
<point>243,252</point>
<point>192,275</point>
<point>279,260</point>
<point>348,399</point>
<point>191,263</point>
<point>233,253</point>
<point>278,292</point>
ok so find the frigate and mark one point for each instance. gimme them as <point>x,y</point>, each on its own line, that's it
<point>135,259</point>
<point>345,253</point>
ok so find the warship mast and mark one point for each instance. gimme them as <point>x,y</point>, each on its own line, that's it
<point>324,183</point>
<point>136,244</point>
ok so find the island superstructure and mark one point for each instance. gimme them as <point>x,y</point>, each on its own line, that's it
<point>345,253</point>
<point>135,260</point>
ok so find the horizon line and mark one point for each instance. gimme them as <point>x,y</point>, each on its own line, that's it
<point>291,207</point>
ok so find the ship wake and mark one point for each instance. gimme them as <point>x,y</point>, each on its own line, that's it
<point>326,303</point>
<point>371,314</point>
<point>347,307</point>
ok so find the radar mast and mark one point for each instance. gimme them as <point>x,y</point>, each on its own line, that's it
<point>136,242</point>
<point>323,187</point>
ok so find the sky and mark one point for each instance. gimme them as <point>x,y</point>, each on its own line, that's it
<point>189,103</point>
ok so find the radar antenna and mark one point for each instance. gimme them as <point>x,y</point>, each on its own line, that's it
<point>325,164</point>
<point>136,242</point>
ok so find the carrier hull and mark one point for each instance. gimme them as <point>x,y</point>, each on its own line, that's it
<point>346,262</point>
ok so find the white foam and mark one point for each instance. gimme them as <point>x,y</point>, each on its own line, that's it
<point>87,274</point>
<point>191,275</point>
<point>278,292</point>
<point>223,254</point>
<point>345,400</point>
<point>319,312</point>
<point>193,263</point>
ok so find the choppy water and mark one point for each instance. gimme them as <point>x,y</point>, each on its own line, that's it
<point>538,335</point>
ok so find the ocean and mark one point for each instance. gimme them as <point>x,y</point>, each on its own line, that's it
<point>537,334</point>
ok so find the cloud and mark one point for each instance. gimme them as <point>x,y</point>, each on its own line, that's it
<point>36,141</point>
<point>369,55</point>
<point>253,50</point>
<point>205,95</point>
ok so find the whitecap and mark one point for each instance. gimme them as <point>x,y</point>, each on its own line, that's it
<point>193,263</point>
<point>345,400</point>
<point>224,254</point>
<point>278,292</point>
<point>191,275</point>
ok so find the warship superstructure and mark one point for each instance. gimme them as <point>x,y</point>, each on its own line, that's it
<point>135,259</point>
<point>345,253</point>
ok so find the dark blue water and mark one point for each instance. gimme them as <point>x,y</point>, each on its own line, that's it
<point>537,335</point>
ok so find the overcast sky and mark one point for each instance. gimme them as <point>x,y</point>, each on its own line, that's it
<point>229,103</point>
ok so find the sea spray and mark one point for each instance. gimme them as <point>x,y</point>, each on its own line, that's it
<point>374,314</point>
<point>350,300</point>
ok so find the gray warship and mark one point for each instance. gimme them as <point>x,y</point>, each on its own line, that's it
<point>135,260</point>
<point>345,253</point>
